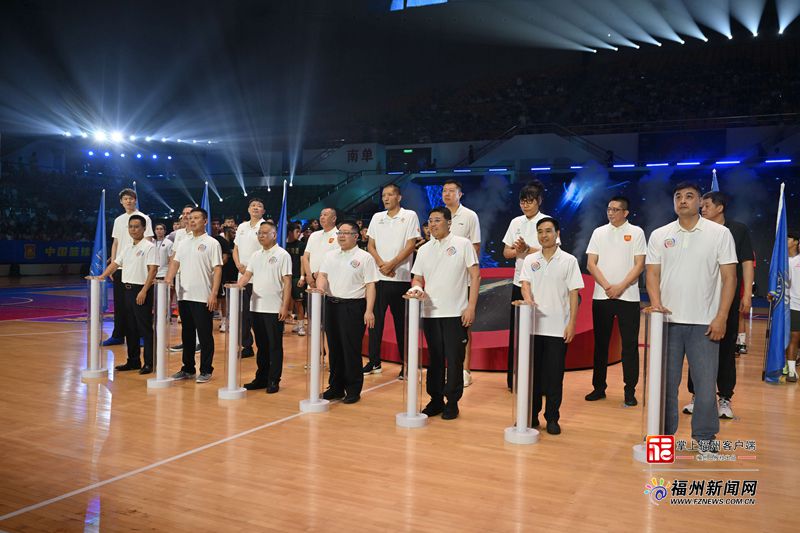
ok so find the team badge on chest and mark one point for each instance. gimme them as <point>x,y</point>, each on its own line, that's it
<point>536,265</point>
<point>201,248</point>
<point>451,251</point>
<point>669,242</point>
<point>355,263</point>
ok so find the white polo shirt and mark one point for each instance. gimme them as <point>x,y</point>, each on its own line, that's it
<point>160,254</point>
<point>349,272</point>
<point>690,281</point>
<point>794,283</point>
<point>135,259</point>
<point>319,244</point>
<point>197,257</point>
<point>524,227</point>
<point>247,240</point>
<point>391,235</point>
<point>444,264</point>
<point>616,249</point>
<point>464,223</point>
<point>268,268</point>
<point>181,235</point>
<point>120,230</point>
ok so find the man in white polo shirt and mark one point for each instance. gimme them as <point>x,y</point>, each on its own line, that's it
<point>464,223</point>
<point>319,244</point>
<point>348,276</point>
<point>178,236</point>
<point>445,268</point>
<point>392,236</point>
<point>270,272</point>
<point>244,246</point>
<point>121,240</point>
<point>691,274</point>
<point>520,241</point>
<point>138,274</point>
<point>551,278</point>
<point>616,255</point>
<point>199,261</point>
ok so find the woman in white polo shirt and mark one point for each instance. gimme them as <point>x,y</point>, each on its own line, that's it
<point>270,272</point>
<point>348,276</point>
<point>551,278</point>
<point>445,268</point>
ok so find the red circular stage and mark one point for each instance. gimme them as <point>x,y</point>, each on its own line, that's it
<point>490,331</point>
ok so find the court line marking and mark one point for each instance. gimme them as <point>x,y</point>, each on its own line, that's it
<point>43,333</point>
<point>168,460</point>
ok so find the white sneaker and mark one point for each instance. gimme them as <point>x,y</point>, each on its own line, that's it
<point>689,407</point>
<point>467,378</point>
<point>724,409</point>
<point>223,327</point>
<point>301,331</point>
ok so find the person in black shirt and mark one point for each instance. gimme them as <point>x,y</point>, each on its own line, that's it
<point>229,272</point>
<point>296,248</point>
<point>713,209</point>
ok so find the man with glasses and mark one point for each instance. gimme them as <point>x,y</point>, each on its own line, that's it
<point>615,259</point>
<point>519,242</point>
<point>445,268</point>
<point>348,275</point>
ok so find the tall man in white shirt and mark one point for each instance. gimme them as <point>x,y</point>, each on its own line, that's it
<point>348,275</point>
<point>464,223</point>
<point>270,271</point>
<point>691,274</point>
<point>319,244</point>
<point>615,259</point>
<point>445,268</point>
<point>520,241</point>
<point>551,278</point>
<point>244,246</point>
<point>392,236</point>
<point>138,266</point>
<point>122,239</point>
<point>199,262</point>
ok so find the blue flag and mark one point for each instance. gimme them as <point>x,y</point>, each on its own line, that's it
<point>204,204</point>
<point>778,290</point>
<point>99,252</point>
<point>282,220</point>
<point>714,182</point>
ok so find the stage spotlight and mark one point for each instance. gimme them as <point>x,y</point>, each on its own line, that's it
<point>138,156</point>
<point>245,193</point>
<point>705,39</point>
<point>194,141</point>
<point>107,154</point>
<point>180,140</point>
<point>67,134</point>
<point>91,153</point>
<point>780,32</point>
<point>148,138</point>
<point>208,142</point>
<point>658,43</point>
<point>155,156</point>
<point>682,41</point>
<point>122,155</point>
<point>84,134</point>
<point>116,137</point>
<point>100,136</point>
<point>132,137</point>
<point>169,157</point>
<point>171,210</point>
<point>163,139</point>
<point>730,37</point>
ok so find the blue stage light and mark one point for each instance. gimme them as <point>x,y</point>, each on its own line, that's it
<point>728,162</point>
<point>393,173</point>
<point>107,154</point>
<point>169,157</point>
<point>148,138</point>
<point>657,165</point>
<point>138,156</point>
<point>778,161</point>
<point>155,156</point>
<point>624,165</point>
<point>499,169</point>
<point>100,136</point>
<point>131,137</point>
<point>116,136</point>
<point>427,172</point>
<point>91,153</point>
<point>122,155</point>
<point>462,170</point>
<point>576,167</point>
<point>537,169</point>
<point>688,163</point>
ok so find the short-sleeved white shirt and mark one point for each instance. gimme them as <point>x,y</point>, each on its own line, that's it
<point>135,259</point>
<point>524,227</point>
<point>268,268</point>
<point>160,254</point>
<point>444,264</point>
<point>794,283</point>
<point>198,256</point>
<point>391,235</point>
<point>181,235</point>
<point>464,223</point>
<point>616,249</point>
<point>691,285</point>
<point>349,272</point>
<point>551,282</point>
<point>319,244</point>
<point>120,230</point>
<point>247,240</point>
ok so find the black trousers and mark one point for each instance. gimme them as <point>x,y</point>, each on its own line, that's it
<point>269,339</point>
<point>197,321</point>
<point>726,371</point>
<point>516,294</point>
<point>447,342</point>
<point>549,356</point>
<point>120,320</point>
<point>344,327</point>
<point>247,317</point>
<point>388,294</point>
<point>139,325</point>
<point>627,313</point>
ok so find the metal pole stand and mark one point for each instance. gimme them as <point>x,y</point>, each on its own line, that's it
<point>655,349</point>
<point>94,328</point>
<point>315,403</point>
<point>522,432</point>
<point>411,417</point>
<point>233,389</point>
<point>161,336</point>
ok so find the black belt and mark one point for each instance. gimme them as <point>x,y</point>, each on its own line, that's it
<point>333,300</point>
<point>132,286</point>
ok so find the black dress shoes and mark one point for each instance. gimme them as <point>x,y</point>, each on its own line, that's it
<point>273,387</point>
<point>126,367</point>
<point>146,369</point>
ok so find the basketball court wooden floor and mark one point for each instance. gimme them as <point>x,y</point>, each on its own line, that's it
<point>110,456</point>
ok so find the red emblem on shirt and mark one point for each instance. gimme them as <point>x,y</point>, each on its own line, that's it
<point>627,238</point>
